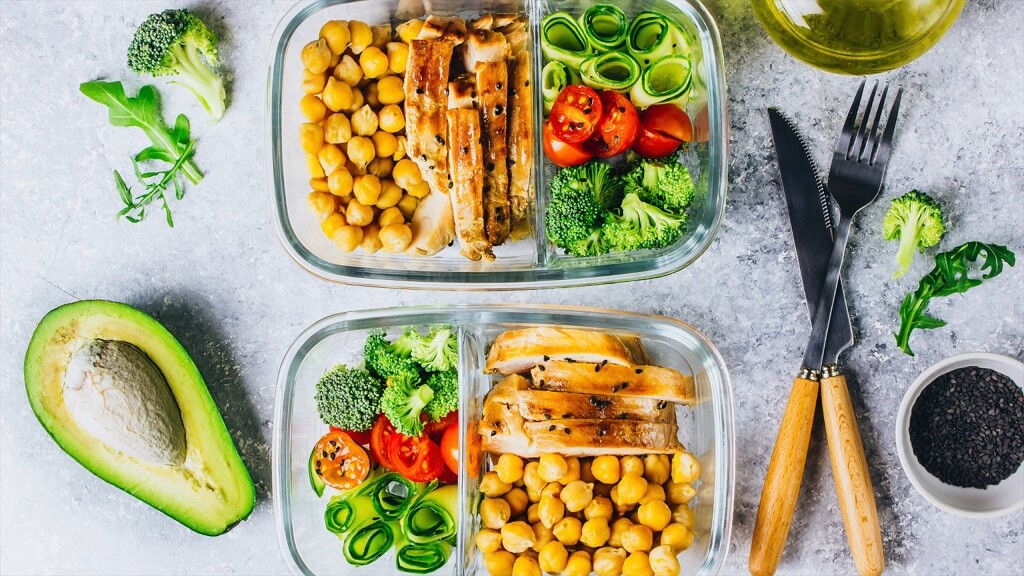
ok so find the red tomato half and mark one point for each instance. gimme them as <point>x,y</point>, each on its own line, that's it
<point>450,448</point>
<point>670,120</point>
<point>437,428</point>
<point>651,144</point>
<point>417,458</point>
<point>380,438</point>
<point>562,153</point>
<point>618,127</point>
<point>575,114</point>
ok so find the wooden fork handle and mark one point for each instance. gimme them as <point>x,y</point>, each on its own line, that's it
<point>782,483</point>
<point>853,482</point>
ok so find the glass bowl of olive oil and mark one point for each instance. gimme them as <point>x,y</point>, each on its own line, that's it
<point>857,36</point>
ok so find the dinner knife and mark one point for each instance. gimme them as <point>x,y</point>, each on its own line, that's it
<point>811,222</point>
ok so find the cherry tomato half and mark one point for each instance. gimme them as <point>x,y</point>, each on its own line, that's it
<point>417,458</point>
<point>437,428</point>
<point>450,448</point>
<point>339,461</point>
<point>651,144</point>
<point>380,438</point>
<point>575,114</point>
<point>670,120</point>
<point>618,126</point>
<point>562,153</point>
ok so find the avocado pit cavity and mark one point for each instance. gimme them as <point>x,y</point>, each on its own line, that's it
<point>115,393</point>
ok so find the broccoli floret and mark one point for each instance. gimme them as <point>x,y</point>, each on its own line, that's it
<point>348,398</point>
<point>641,225</point>
<point>385,360</point>
<point>665,183</point>
<point>592,245</point>
<point>577,206</point>
<point>915,219</point>
<point>404,344</point>
<point>438,352</point>
<point>446,394</point>
<point>175,43</point>
<point>403,401</point>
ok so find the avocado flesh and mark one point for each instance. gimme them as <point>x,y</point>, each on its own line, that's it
<point>189,470</point>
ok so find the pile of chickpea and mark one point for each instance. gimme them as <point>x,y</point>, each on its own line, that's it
<point>573,516</point>
<point>365,189</point>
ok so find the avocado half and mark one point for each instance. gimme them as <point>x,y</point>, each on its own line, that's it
<point>121,396</point>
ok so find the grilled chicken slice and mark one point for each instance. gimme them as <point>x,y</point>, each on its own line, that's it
<point>543,405</point>
<point>483,46</point>
<point>516,351</point>
<point>462,92</point>
<point>444,28</point>
<point>492,83</point>
<point>516,34</point>
<point>615,380</point>
<point>466,158</point>
<point>433,225</point>
<point>426,81</point>
<point>500,426</point>
<point>520,145</point>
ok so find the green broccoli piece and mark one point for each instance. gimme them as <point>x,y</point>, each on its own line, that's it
<point>385,360</point>
<point>915,219</point>
<point>665,183</point>
<point>403,401</point>
<point>580,199</point>
<point>592,245</point>
<point>175,43</point>
<point>348,398</point>
<point>438,352</point>
<point>446,394</point>
<point>404,344</point>
<point>641,226</point>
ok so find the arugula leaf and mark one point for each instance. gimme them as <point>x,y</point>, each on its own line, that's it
<point>951,275</point>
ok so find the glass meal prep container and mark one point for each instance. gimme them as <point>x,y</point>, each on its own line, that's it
<point>706,430</point>
<point>530,263</point>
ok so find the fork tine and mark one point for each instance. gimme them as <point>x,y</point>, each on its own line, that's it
<point>862,133</point>
<point>885,144</point>
<point>871,146</point>
<point>846,134</point>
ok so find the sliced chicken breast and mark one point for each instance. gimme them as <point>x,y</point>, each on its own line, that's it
<point>516,351</point>
<point>542,405</point>
<point>426,101</point>
<point>483,46</point>
<point>492,84</point>
<point>444,28</point>
<point>520,145</point>
<point>466,158</point>
<point>462,92</point>
<point>433,225</point>
<point>615,380</point>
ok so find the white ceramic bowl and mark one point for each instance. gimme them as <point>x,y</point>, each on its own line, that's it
<point>998,500</point>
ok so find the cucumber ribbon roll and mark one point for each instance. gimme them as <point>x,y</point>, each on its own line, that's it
<point>555,76</point>
<point>369,539</point>
<point>391,494</point>
<point>344,512</point>
<point>668,79</point>
<point>432,517</point>
<point>606,26</point>
<point>610,71</point>
<point>563,40</point>
<point>653,36</point>
<point>420,558</point>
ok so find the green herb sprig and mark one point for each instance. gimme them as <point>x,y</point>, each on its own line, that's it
<point>951,275</point>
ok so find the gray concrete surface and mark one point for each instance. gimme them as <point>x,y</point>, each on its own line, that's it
<point>221,283</point>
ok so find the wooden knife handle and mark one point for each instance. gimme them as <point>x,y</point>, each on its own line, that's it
<point>782,483</point>
<point>853,482</point>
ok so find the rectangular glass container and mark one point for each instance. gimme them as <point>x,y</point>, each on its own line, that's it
<point>706,430</point>
<point>530,263</point>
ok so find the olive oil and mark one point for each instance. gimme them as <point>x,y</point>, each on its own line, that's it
<point>857,36</point>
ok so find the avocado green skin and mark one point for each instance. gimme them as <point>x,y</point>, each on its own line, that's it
<point>166,488</point>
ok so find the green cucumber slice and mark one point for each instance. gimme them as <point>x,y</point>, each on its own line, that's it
<point>668,79</point>
<point>610,71</point>
<point>653,36</point>
<point>555,76</point>
<point>562,39</point>
<point>606,26</point>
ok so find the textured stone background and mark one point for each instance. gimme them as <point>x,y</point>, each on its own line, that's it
<point>221,283</point>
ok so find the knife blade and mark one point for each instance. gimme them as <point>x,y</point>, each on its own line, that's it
<point>810,217</point>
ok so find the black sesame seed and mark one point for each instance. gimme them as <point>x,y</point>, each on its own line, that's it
<point>597,367</point>
<point>494,432</point>
<point>540,367</point>
<point>601,431</point>
<point>639,370</point>
<point>419,90</point>
<point>624,385</point>
<point>546,358</point>
<point>567,431</point>
<point>498,85</point>
<point>547,416</point>
<point>423,156</point>
<point>498,110</point>
<point>527,83</point>
<point>551,428</point>
<point>450,185</point>
<point>439,140</point>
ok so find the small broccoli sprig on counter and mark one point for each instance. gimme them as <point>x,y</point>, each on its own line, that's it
<point>402,402</point>
<point>915,219</point>
<point>176,43</point>
<point>446,394</point>
<point>641,226</point>
<point>348,398</point>
<point>386,360</point>
<point>665,183</point>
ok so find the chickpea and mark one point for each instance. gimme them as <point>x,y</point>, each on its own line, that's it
<point>488,540</point>
<point>533,513</point>
<point>313,84</point>
<point>664,562</point>
<point>685,467</point>
<point>381,34</point>
<point>367,189</point>
<point>335,32</point>
<point>395,238</point>
<point>656,468</point>
<point>390,119</point>
<point>551,489</point>
<point>335,58</point>
<point>390,90</point>
<point>348,71</point>
<point>360,151</point>
<point>637,564</point>
<point>374,62</point>
<point>655,515</point>
<point>631,488</point>
<point>619,527</point>
<point>381,168</point>
<point>517,537</point>
<point>542,535</point>
<point>408,31</point>
<point>654,492</point>
<point>420,190</point>
<point>499,562</point>
<point>608,561</point>
<point>331,158</point>
<point>400,153</point>
<point>340,182</point>
<point>358,214</point>
<point>407,205</point>
<point>360,36</point>
<point>551,510</point>
<point>331,224</point>
<point>605,469</point>
<point>679,492</point>
<point>312,108</point>
<point>364,122</point>
<point>389,217</point>
<point>316,56</point>
<point>492,486</point>
<point>572,471</point>
<point>371,239</point>
<point>586,470</point>
<point>553,557</point>
<point>577,495</point>
<point>311,137</point>
<point>677,537</point>
<point>631,464</point>
<point>517,501</point>
<point>599,507</point>
<point>637,538</point>
<point>407,174</point>
<point>552,467</point>
<point>370,93</point>
<point>568,530</point>
<point>322,204</point>
<point>684,515</point>
<point>337,95</point>
<point>509,468</point>
<point>347,238</point>
<point>526,566</point>
<point>398,57</point>
<point>494,513</point>
<point>319,184</point>
<point>358,100</point>
<point>314,167</point>
<point>531,474</point>
<point>578,564</point>
<point>337,129</point>
<point>384,143</point>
